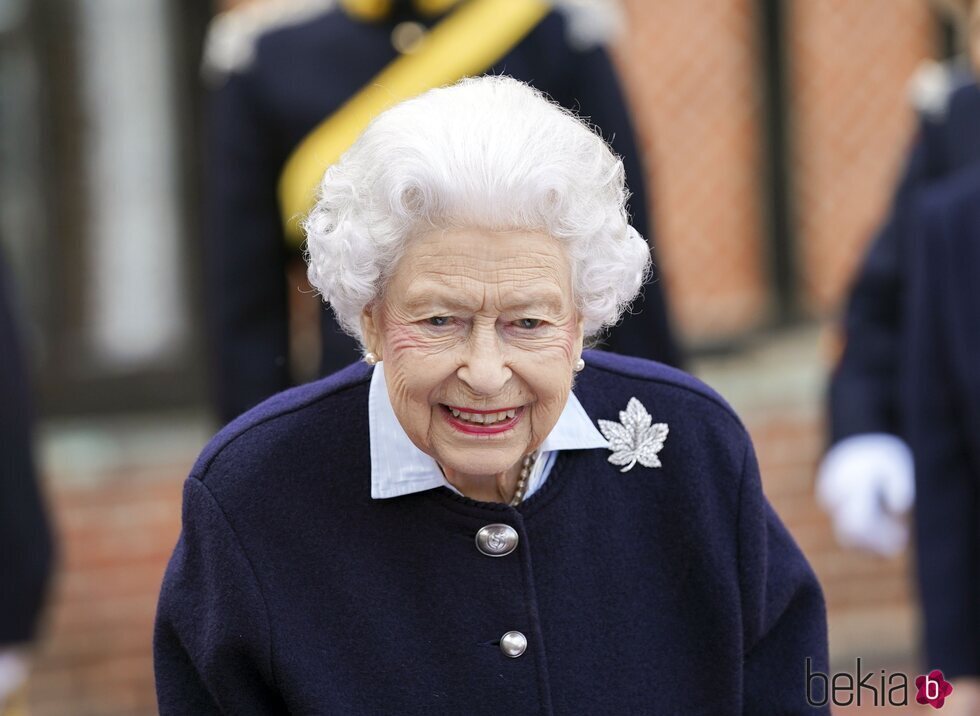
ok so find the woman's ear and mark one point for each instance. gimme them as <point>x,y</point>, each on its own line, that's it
<point>370,330</point>
<point>579,336</point>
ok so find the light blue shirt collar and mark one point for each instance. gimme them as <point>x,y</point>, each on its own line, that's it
<point>399,468</point>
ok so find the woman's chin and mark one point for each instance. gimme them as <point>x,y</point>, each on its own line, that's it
<point>487,460</point>
<point>479,465</point>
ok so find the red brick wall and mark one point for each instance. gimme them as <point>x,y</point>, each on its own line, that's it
<point>690,71</point>
<point>690,67</point>
<point>852,122</point>
<point>115,537</point>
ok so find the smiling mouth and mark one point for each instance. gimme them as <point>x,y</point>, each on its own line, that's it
<point>482,417</point>
<point>483,422</point>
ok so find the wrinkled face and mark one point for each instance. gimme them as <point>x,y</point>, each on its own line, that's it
<point>479,335</point>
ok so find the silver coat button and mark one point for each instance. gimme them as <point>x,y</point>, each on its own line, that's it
<point>496,540</point>
<point>513,644</point>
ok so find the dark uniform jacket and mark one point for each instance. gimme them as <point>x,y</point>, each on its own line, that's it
<point>671,590</point>
<point>299,76</point>
<point>865,387</point>
<point>941,393</point>
<point>25,541</point>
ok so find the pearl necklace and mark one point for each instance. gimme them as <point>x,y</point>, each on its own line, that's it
<point>526,468</point>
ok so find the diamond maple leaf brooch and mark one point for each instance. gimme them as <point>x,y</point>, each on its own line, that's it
<point>633,439</point>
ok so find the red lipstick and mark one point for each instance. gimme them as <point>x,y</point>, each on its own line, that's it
<point>477,429</point>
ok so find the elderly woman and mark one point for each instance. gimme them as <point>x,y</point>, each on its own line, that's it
<point>447,527</point>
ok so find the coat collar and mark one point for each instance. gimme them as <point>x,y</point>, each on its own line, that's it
<point>399,468</point>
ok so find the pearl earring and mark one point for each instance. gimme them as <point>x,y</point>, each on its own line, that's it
<point>370,359</point>
<point>579,365</point>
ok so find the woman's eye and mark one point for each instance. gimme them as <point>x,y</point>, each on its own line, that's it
<point>438,320</point>
<point>528,323</point>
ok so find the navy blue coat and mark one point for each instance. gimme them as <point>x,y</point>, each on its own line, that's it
<point>300,75</point>
<point>865,386</point>
<point>25,539</point>
<point>942,417</point>
<point>670,590</point>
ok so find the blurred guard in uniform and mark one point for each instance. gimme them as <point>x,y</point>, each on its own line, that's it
<point>905,398</point>
<point>293,84</point>
<point>25,542</point>
<point>866,479</point>
<point>941,408</point>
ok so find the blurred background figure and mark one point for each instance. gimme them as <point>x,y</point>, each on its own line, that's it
<point>25,540</point>
<point>899,432</point>
<point>866,479</point>
<point>941,407</point>
<point>287,79</point>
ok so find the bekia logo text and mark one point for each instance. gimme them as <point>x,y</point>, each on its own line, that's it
<point>873,688</point>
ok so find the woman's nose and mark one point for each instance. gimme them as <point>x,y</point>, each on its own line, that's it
<point>484,368</point>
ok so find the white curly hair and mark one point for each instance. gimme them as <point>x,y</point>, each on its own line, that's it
<point>490,153</point>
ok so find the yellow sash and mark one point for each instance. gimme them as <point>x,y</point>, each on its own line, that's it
<point>466,43</point>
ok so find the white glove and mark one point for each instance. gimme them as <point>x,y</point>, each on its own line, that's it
<point>866,483</point>
<point>13,672</point>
